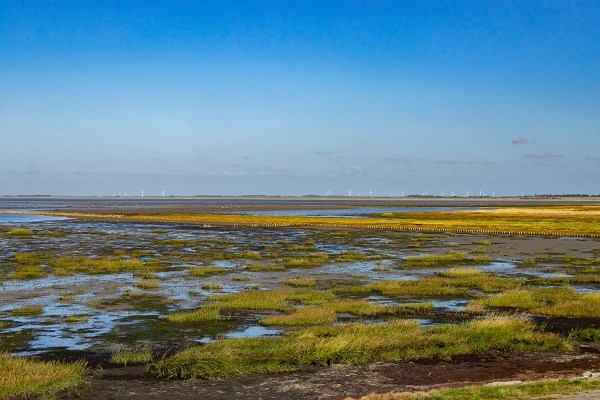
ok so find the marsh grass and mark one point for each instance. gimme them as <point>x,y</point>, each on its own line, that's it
<point>265,267</point>
<point>146,283</point>
<point>400,340</point>
<point>358,307</point>
<point>20,232</point>
<point>556,302</point>
<point>278,300</point>
<point>252,255</point>
<point>199,315</point>
<point>28,272</point>
<point>212,286</point>
<point>301,317</point>
<point>425,287</point>
<point>586,335</point>
<point>27,258</point>
<point>73,319</point>
<point>350,256</point>
<point>536,389</point>
<point>26,378</point>
<point>131,356</point>
<point>112,265</point>
<point>143,274</point>
<point>26,311</point>
<point>206,270</point>
<point>314,260</point>
<point>300,282</point>
<point>475,279</point>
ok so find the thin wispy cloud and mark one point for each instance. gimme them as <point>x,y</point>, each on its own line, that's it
<point>592,158</point>
<point>542,156</point>
<point>395,159</point>
<point>448,162</point>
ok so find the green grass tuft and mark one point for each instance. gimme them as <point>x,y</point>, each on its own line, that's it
<point>265,267</point>
<point>28,272</point>
<point>131,356</point>
<point>26,378</point>
<point>200,315</point>
<point>24,311</point>
<point>301,317</point>
<point>20,232</point>
<point>586,335</point>
<point>206,270</point>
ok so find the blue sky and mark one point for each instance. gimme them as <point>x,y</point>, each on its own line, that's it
<point>299,97</point>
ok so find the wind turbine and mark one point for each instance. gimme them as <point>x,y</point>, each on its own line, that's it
<point>370,193</point>
<point>142,193</point>
<point>402,195</point>
<point>350,192</point>
<point>329,193</point>
<point>493,194</point>
<point>452,193</point>
<point>442,193</point>
<point>467,194</point>
<point>522,193</point>
<point>163,193</point>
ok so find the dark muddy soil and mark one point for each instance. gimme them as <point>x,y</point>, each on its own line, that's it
<point>339,382</point>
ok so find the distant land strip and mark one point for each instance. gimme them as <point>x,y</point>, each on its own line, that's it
<point>582,221</point>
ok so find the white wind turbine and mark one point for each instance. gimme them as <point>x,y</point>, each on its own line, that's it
<point>350,192</point>
<point>370,193</point>
<point>142,193</point>
<point>163,193</point>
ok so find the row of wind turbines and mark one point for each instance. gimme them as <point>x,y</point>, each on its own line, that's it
<point>118,194</point>
<point>424,193</point>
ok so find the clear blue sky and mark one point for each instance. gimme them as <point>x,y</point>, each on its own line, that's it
<point>299,97</point>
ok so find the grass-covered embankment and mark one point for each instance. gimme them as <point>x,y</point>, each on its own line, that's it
<point>355,344</point>
<point>542,220</point>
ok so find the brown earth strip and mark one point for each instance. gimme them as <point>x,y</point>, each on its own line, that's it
<point>339,382</point>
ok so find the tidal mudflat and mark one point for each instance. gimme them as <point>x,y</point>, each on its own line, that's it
<point>157,301</point>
